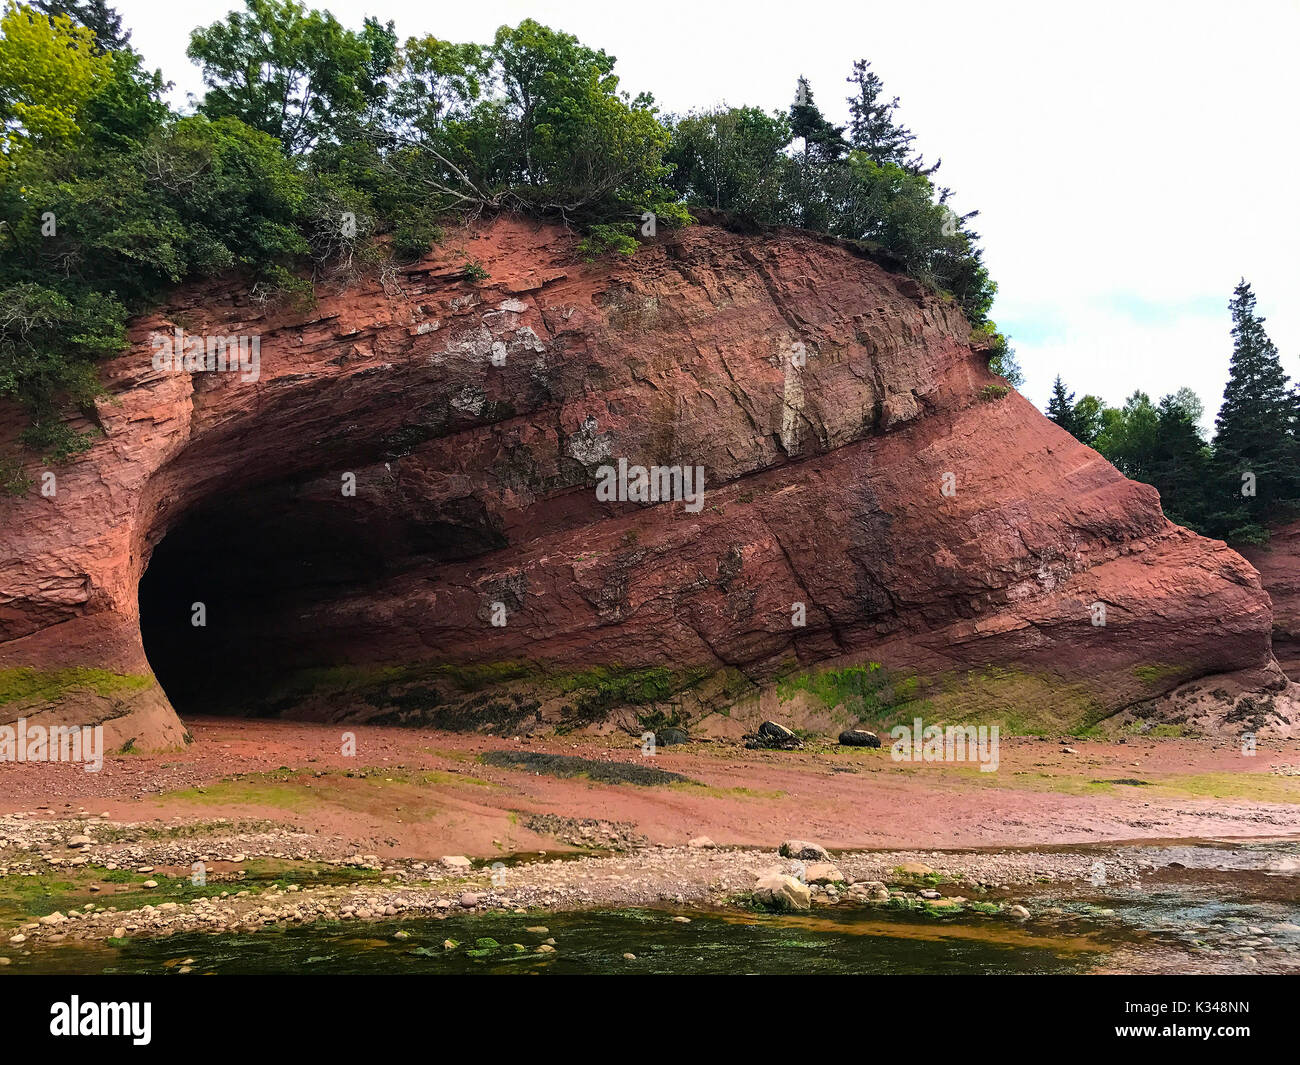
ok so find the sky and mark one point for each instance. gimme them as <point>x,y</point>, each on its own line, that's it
<point>1130,161</point>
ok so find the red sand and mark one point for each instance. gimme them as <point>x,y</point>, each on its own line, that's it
<point>841,798</point>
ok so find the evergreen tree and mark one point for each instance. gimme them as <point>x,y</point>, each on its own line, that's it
<point>872,129</point>
<point>95,15</point>
<point>823,141</point>
<point>1255,443</point>
<point>1060,408</point>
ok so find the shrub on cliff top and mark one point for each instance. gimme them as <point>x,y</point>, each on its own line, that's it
<point>312,139</point>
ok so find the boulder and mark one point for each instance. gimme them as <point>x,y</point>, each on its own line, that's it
<point>772,736</point>
<point>822,873</point>
<point>778,891</point>
<point>804,851</point>
<point>857,737</point>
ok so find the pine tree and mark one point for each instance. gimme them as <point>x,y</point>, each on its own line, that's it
<point>823,141</point>
<point>1060,408</point>
<point>1255,444</point>
<point>95,15</point>
<point>872,128</point>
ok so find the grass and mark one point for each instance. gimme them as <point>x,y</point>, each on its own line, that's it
<point>869,693</point>
<point>727,793</point>
<point>1247,787</point>
<point>24,684</point>
<point>1157,674</point>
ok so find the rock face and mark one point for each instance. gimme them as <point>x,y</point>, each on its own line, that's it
<point>870,493</point>
<point>1278,562</point>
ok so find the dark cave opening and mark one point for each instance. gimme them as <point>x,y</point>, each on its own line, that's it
<point>226,599</point>
<point>282,572</point>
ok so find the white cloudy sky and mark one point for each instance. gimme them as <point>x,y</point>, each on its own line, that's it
<point>1130,160</point>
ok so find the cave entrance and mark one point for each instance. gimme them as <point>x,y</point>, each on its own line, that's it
<point>282,576</point>
<point>232,596</point>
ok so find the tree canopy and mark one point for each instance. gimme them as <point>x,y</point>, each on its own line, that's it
<point>312,139</point>
<point>1232,487</point>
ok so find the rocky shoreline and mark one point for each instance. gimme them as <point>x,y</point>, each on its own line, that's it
<point>143,880</point>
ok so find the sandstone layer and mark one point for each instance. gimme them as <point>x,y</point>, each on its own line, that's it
<point>1278,562</point>
<point>864,473</point>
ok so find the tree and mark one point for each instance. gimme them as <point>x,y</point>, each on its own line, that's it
<point>823,141</point>
<point>437,82</point>
<point>1179,461</point>
<point>872,129</point>
<point>560,138</point>
<point>1004,362</point>
<point>295,74</point>
<point>731,159</point>
<point>1087,417</point>
<point>95,15</point>
<point>49,69</point>
<point>1128,436</point>
<point>1255,444</point>
<point>1083,419</point>
<point>1060,407</point>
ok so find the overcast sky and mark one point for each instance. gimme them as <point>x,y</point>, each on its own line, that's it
<point>1130,161</point>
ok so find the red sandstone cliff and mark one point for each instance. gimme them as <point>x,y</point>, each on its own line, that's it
<point>475,418</point>
<point>1278,563</point>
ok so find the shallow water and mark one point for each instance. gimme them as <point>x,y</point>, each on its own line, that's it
<point>839,941</point>
<point>1203,907</point>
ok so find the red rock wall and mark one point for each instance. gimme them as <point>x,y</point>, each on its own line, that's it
<point>1278,563</point>
<point>474,482</point>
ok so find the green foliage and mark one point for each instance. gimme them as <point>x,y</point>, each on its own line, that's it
<point>601,239</point>
<point>294,74</point>
<point>823,141</point>
<point>437,82</point>
<point>1257,431</point>
<point>603,688</point>
<point>49,69</point>
<point>1003,361</point>
<point>731,159</point>
<point>867,187</point>
<point>872,128</point>
<point>104,23</point>
<point>1202,486</point>
<point>314,141</point>
<point>95,229</point>
<point>13,478</point>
